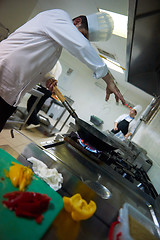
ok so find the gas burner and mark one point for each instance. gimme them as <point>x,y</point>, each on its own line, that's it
<point>76,145</point>
<point>114,160</point>
<point>87,146</point>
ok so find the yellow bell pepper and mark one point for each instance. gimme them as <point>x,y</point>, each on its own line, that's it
<point>20,175</point>
<point>79,208</point>
<point>14,172</point>
<point>85,211</point>
<point>22,184</point>
<point>67,204</point>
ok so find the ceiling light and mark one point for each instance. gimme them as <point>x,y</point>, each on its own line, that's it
<point>120,23</point>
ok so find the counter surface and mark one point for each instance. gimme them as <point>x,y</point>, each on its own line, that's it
<point>75,171</point>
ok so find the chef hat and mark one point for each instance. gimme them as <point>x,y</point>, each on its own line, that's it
<point>100,26</point>
<point>138,108</point>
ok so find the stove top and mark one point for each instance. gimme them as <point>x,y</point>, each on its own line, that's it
<point>115,160</point>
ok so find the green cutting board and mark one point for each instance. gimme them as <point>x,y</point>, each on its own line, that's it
<point>18,228</point>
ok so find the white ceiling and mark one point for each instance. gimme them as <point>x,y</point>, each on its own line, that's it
<point>115,45</point>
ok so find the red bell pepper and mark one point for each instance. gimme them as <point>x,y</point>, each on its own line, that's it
<point>27,204</point>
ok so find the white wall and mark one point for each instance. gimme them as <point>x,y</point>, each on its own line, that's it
<point>148,136</point>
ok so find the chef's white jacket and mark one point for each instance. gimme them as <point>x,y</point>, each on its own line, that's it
<point>34,48</point>
<point>132,121</point>
<point>54,73</point>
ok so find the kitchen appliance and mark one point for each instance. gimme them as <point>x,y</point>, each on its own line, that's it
<point>142,58</point>
<point>124,162</point>
<point>115,159</point>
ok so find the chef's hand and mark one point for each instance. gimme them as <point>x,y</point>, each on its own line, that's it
<point>112,88</point>
<point>50,83</point>
<point>115,126</point>
<point>128,135</point>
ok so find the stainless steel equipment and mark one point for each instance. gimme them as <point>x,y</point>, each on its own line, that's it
<point>128,163</point>
<point>143,45</point>
<point>83,175</point>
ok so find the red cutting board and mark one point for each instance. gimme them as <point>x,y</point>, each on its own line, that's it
<point>17,228</point>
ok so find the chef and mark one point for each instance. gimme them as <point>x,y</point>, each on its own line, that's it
<point>34,48</point>
<point>126,123</point>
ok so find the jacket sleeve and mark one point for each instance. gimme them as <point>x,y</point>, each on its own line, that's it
<point>132,126</point>
<point>59,26</point>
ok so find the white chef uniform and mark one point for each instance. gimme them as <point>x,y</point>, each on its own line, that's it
<point>34,48</point>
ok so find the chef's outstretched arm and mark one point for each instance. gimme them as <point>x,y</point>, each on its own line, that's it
<point>112,88</point>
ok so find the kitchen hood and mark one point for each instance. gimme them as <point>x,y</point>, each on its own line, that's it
<point>143,45</point>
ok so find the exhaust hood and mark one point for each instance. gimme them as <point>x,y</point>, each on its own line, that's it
<point>143,45</point>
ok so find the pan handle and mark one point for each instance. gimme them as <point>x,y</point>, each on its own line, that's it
<point>59,94</point>
<point>65,102</point>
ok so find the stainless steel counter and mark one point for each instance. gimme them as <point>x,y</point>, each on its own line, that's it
<point>74,169</point>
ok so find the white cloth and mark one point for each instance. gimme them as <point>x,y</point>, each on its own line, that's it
<point>33,49</point>
<point>132,122</point>
<point>50,176</point>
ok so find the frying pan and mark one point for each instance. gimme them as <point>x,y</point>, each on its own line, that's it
<point>87,132</point>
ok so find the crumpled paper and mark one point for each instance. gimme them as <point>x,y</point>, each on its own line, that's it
<point>50,176</point>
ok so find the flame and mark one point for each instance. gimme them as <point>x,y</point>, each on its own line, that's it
<point>87,146</point>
